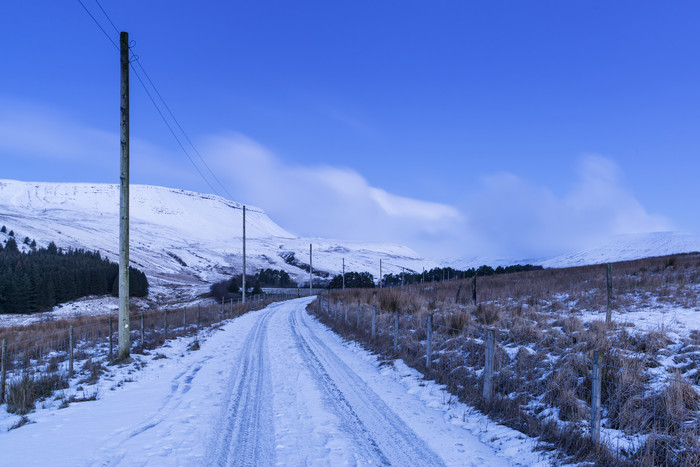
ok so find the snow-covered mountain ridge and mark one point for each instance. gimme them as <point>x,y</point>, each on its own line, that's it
<point>179,236</point>
<point>618,248</point>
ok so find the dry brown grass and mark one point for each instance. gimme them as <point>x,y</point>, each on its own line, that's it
<point>538,310</point>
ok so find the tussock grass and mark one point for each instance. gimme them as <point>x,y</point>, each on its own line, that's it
<point>543,381</point>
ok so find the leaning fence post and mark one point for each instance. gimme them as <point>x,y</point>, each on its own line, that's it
<point>111,339</point>
<point>595,399</point>
<point>3,371</point>
<point>488,365</point>
<point>430,336</point>
<point>374,321</point>
<point>396,330</point>
<point>70,351</point>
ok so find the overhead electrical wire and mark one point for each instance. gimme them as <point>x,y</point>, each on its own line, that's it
<point>135,59</point>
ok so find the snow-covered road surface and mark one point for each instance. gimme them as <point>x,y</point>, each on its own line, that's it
<point>272,387</point>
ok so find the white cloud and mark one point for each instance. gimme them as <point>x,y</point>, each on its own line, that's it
<point>327,201</point>
<point>511,217</point>
<point>506,216</point>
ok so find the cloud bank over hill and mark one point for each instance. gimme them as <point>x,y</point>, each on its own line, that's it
<point>505,216</point>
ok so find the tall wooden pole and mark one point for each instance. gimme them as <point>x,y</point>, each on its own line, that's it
<point>243,296</point>
<point>311,268</point>
<point>381,278</point>
<point>124,340</point>
<point>343,273</point>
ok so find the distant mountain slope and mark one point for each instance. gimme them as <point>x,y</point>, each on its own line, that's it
<point>629,247</point>
<point>180,236</point>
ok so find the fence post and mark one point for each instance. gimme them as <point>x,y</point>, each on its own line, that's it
<point>358,315</point>
<point>595,399</point>
<point>165,324</point>
<point>70,351</point>
<point>346,313</point>
<point>111,340</point>
<point>608,314</point>
<point>396,330</point>
<point>374,321</point>
<point>474,289</point>
<point>198,311</point>
<point>3,371</point>
<point>488,365</point>
<point>143,335</point>
<point>430,336</point>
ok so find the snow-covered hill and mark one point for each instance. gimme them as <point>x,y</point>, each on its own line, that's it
<point>629,247</point>
<point>178,236</point>
<point>618,248</point>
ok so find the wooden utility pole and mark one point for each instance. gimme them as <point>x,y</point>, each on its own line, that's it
<point>124,338</point>
<point>311,268</point>
<point>343,273</point>
<point>243,280</point>
<point>608,271</point>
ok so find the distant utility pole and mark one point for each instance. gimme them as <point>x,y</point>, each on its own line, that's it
<point>343,273</point>
<point>243,296</point>
<point>380,273</point>
<point>124,338</point>
<point>311,268</point>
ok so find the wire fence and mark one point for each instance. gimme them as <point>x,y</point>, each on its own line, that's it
<point>609,412</point>
<point>32,367</point>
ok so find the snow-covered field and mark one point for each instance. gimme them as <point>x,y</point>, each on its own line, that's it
<point>272,387</point>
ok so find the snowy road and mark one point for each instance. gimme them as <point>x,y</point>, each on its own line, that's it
<point>273,387</point>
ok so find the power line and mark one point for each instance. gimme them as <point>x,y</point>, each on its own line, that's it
<point>171,129</point>
<point>98,24</point>
<point>134,58</point>
<point>107,16</point>
<point>182,130</point>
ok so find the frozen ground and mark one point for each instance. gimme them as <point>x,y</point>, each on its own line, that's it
<point>273,387</point>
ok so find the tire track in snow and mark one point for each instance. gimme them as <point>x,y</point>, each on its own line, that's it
<point>245,433</point>
<point>377,430</point>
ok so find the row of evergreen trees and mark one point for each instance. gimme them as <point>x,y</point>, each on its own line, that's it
<point>441,274</point>
<point>274,278</point>
<point>42,278</point>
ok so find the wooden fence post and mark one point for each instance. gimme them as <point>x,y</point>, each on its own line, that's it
<point>198,312</point>
<point>358,315</point>
<point>374,321</point>
<point>474,289</point>
<point>111,340</point>
<point>143,335</point>
<point>608,314</point>
<point>3,371</point>
<point>346,313</point>
<point>70,351</point>
<point>184,319</point>
<point>430,336</point>
<point>595,399</point>
<point>488,365</point>
<point>396,330</point>
<point>165,324</point>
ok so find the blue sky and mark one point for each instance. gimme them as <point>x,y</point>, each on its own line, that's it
<point>514,129</point>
